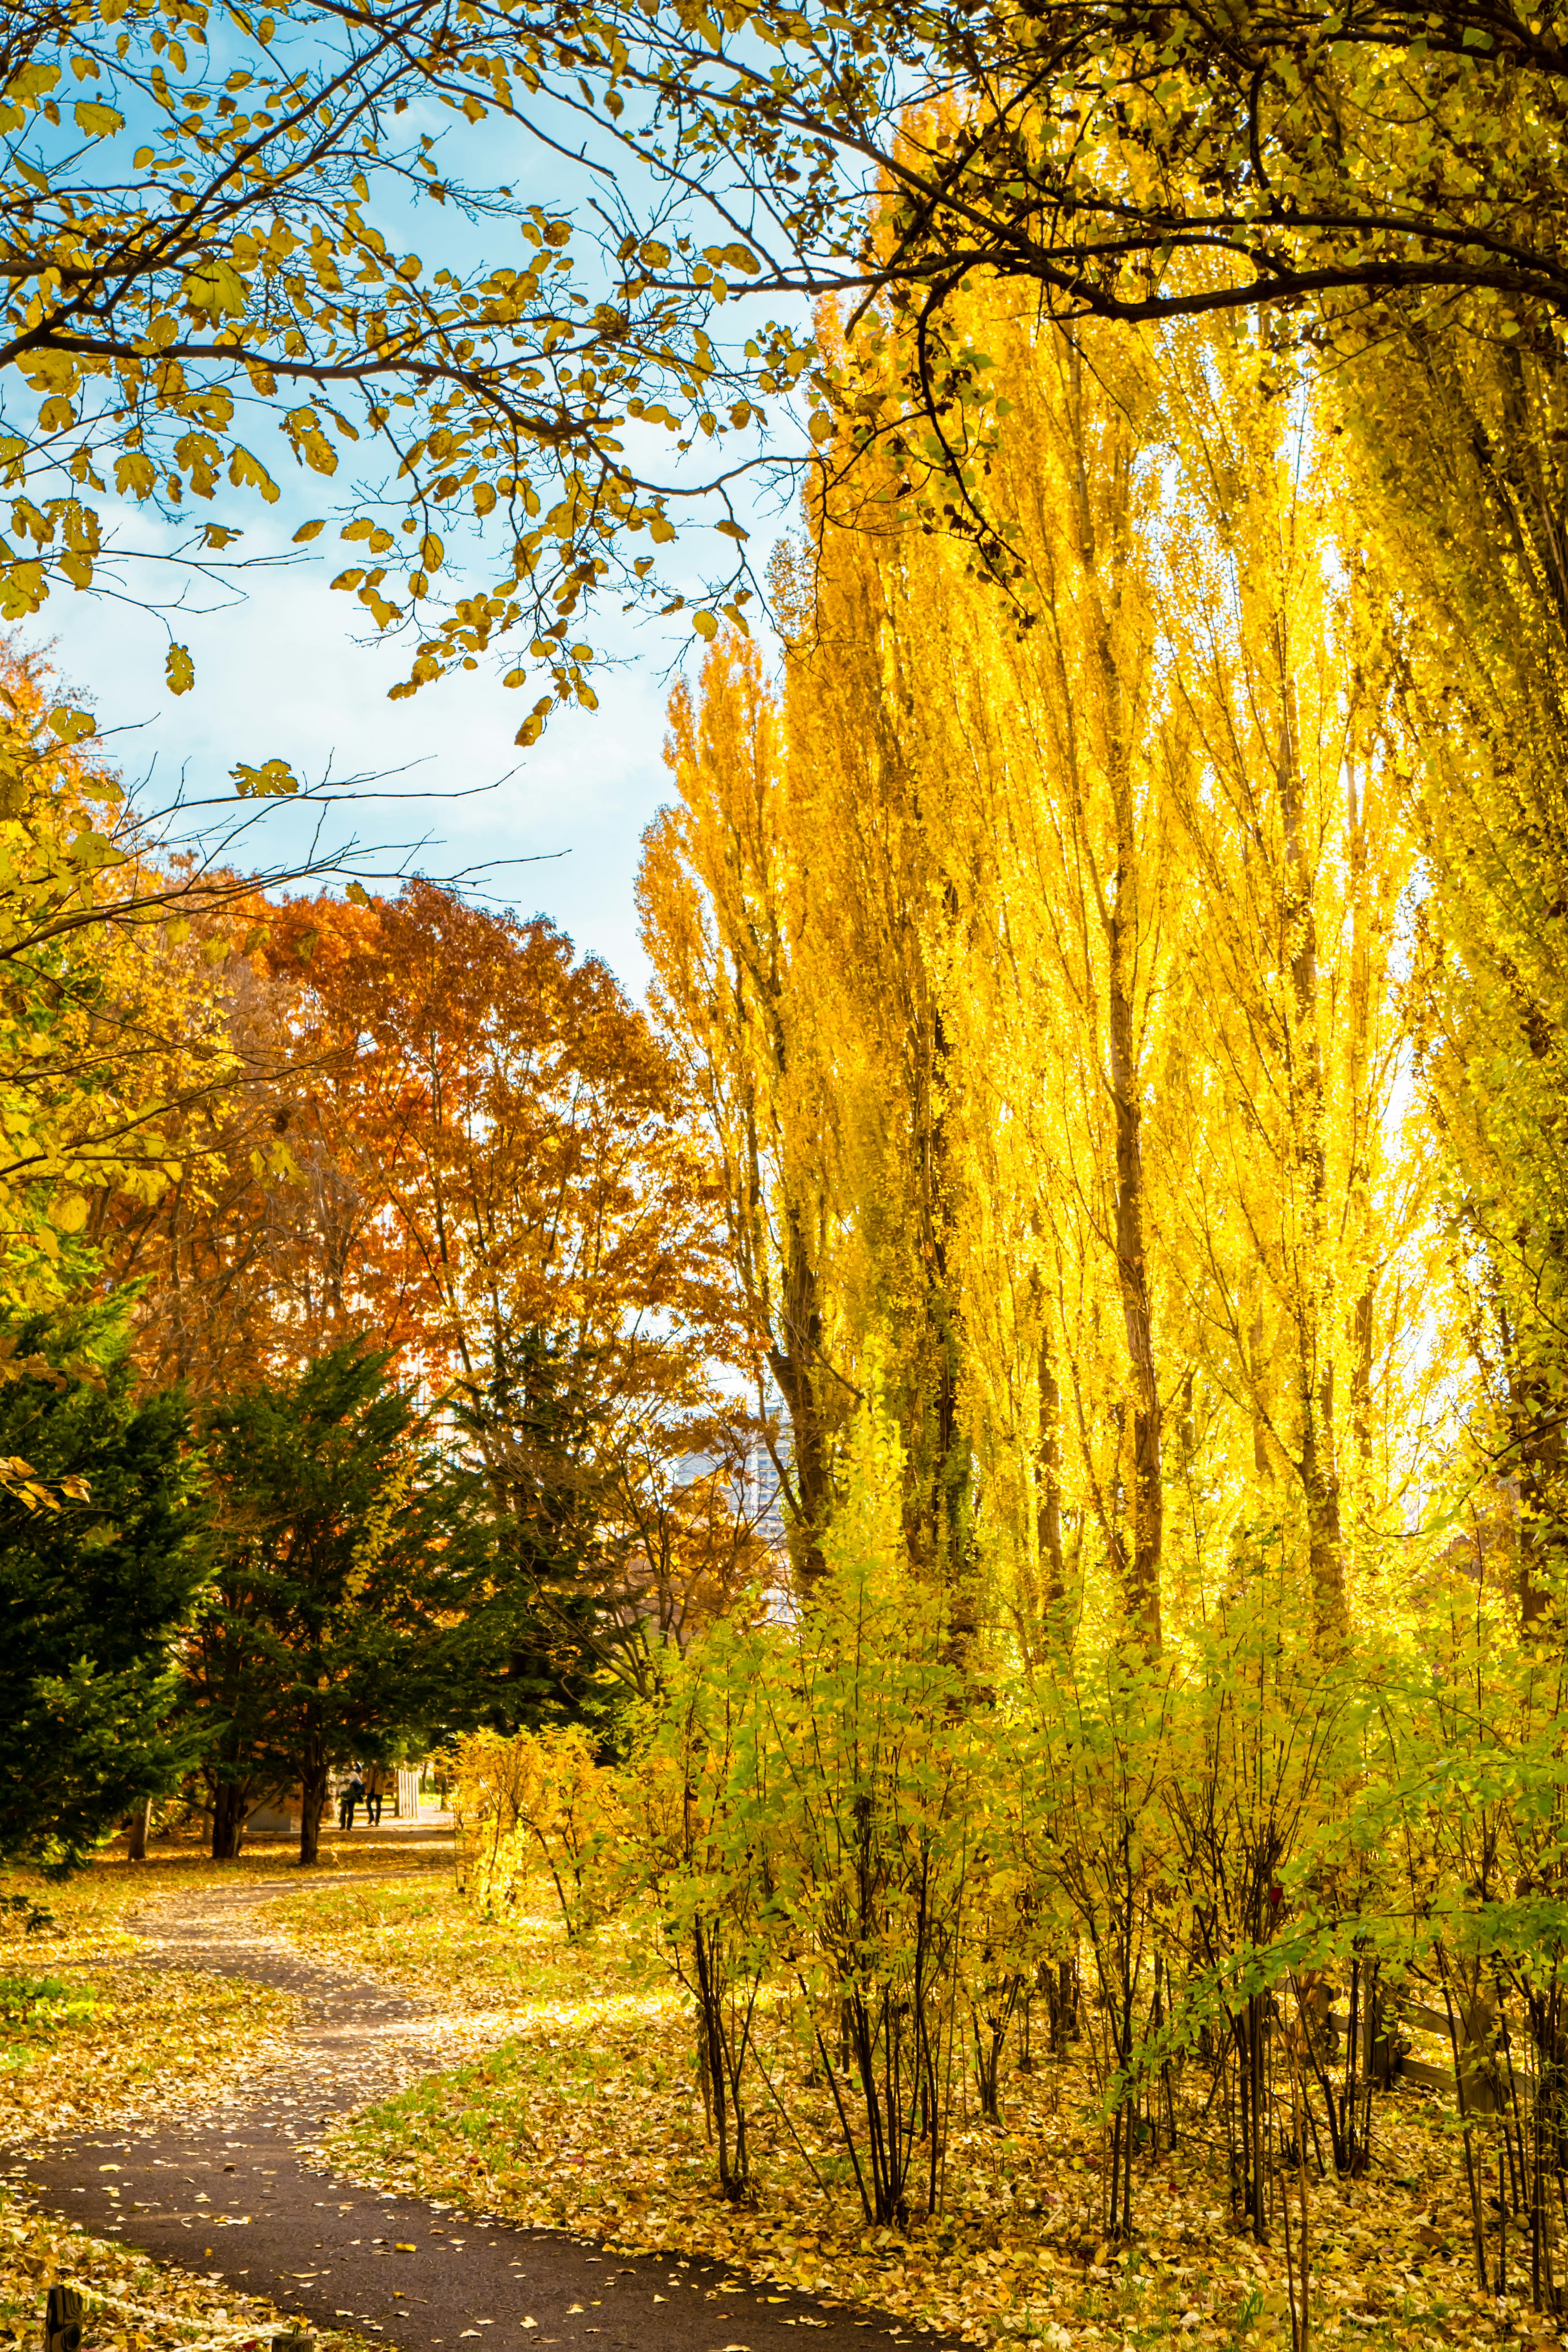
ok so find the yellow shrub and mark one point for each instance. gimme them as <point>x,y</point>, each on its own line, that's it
<point>538,1796</point>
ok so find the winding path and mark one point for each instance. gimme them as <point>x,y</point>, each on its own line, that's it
<point>227,2192</point>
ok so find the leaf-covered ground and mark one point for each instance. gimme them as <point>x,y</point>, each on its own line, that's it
<point>129,2304</point>
<point>587,2116</point>
<point>93,2031</point>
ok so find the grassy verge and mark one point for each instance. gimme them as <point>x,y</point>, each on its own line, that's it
<point>586,2115</point>
<point>91,2031</point>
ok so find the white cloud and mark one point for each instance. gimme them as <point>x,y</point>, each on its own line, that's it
<point>281,675</point>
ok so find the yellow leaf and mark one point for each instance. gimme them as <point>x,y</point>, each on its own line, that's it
<point>135,475</point>
<point>358,893</point>
<point>272,778</point>
<point>705,625</point>
<point>69,1215</point>
<point>179,670</point>
<point>307,530</point>
<point>70,726</point>
<point>244,470</point>
<point>98,122</point>
<point>216,287</point>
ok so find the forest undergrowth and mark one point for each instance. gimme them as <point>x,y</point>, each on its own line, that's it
<point>588,2118</point>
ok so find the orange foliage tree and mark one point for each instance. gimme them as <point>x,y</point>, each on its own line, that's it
<point>487,1168</point>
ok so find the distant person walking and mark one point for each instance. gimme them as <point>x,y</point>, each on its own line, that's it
<point>348,1800</point>
<point>374,1790</point>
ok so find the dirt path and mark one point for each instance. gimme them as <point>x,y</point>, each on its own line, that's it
<point>227,2192</point>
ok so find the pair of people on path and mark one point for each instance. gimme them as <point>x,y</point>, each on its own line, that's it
<point>371,1785</point>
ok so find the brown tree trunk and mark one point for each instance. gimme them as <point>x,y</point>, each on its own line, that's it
<point>138,1826</point>
<point>1542,1530</point>
<point>229,1810</point>
<point>1140,1569</point>
<point>312,1802</point>
<point>1052,1562</point>
<point>1143,1583</point>
<point>1315,1463</point>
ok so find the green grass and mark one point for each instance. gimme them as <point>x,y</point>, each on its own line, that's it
<point>37,2009</point>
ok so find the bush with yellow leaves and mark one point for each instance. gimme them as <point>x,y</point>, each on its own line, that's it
<point>536,1794</point>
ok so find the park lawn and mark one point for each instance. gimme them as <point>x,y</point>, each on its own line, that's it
<point>586,2115</point>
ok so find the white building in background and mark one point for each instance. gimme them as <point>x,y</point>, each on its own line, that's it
<point>764,1500</point>
<point>765,1508</point>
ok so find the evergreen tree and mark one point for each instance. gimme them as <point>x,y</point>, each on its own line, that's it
<point>99,1565</point>
<point>347,1617</point>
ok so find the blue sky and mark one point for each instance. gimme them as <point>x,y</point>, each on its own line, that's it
<point>281,675</point>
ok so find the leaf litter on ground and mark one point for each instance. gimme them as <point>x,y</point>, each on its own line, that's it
<point>587,2116</point>
<point>129,2304</point>
<point>127,2038</point>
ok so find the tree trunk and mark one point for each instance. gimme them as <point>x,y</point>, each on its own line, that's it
<point>1120,912</point>
<point>794,1361</point>
<point>1143,1580</point>
<point>138,1826</point>
<point>1052,1562</point>
<point>312,1799</point>
<point>229,1810</point>
<point>1316,1464</point>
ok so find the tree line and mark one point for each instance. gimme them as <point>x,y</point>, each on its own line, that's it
<point>363,1326</point>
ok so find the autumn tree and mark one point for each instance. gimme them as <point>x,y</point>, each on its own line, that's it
<point>721,898</point>
<point>102,1038</point>
<point>1133,871</point>
<point>204,213</point>
<point>1127,163</point>
<point>471,1154</point>
<point>1296,823</point>
<point>1461,484</point>
<point>264,1247</point>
